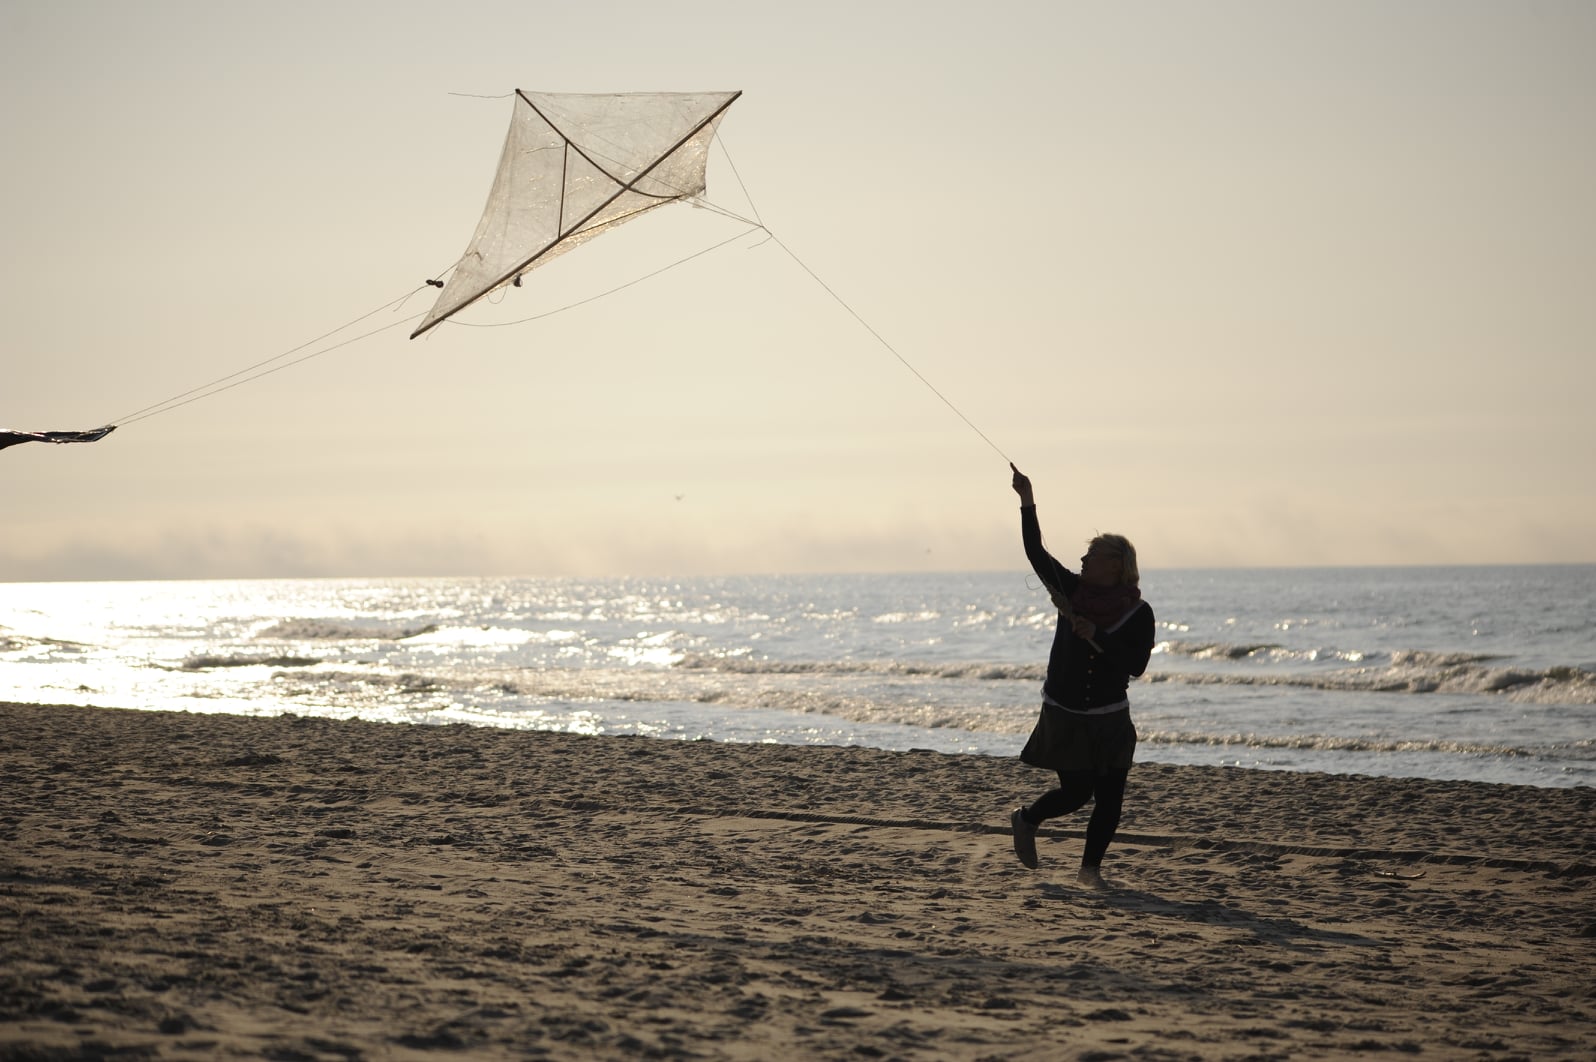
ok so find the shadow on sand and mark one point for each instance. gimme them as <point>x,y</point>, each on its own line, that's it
<point>1282,931</point>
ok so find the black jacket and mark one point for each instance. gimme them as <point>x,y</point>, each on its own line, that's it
<point>1078,676</point>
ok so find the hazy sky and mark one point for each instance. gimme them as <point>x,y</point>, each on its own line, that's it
<point>1252,283</point>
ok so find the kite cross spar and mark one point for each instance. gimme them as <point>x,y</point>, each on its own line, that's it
<point>574,166</point>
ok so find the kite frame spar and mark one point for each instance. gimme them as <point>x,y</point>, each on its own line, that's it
<point>567,233</point>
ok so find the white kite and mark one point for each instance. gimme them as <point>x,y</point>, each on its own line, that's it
<point>575,165</point>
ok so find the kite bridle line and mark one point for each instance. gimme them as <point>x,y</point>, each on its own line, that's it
<point>619,287</point>
<point>622,190</point>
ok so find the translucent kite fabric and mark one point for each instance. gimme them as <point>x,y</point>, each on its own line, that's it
<point>575,165</point>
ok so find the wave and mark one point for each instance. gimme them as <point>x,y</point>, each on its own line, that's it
<point>323,630</point>
<point>781,691</point>
<point>1269,652</point>
<point>747,665</point>
<point>209,661</point>
<point>1420,673</point>
<point>11,642</point>
<point>1582,750</point>
<point>924,616</point>
<point>785,690</point>
<point>1409,671</point>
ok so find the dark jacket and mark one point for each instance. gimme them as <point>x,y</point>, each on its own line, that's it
<point>1078,676</point>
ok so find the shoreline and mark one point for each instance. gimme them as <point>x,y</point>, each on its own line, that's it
<point>195,886</point>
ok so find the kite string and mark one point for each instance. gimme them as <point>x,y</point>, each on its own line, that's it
<point>174,404</point>
<point>890,348</point>
<point>720,138</point>
<point>205,390</point>
<point>249,374</point>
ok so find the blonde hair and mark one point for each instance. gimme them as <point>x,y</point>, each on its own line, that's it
<point>1129,573</point>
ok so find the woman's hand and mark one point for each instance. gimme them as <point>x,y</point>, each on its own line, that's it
<point>1022,486</point>
<point>1084,629</point>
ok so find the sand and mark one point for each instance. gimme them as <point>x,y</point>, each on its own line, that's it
<point>200,886</point>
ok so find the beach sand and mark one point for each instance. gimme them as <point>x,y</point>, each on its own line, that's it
<point>200,886</point>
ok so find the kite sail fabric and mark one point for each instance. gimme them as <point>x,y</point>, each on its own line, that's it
<point>12,438</point>
<point>575,165</point>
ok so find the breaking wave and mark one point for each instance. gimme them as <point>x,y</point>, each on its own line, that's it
<point>322,630</point>
<point>787,690</point>
<point>1420,672</point>
<point>1271,653</point>
<point>1585,750</point>
<point>1412,671</point>
<point>209,661</point>
<point>746,665</point>
<point>12,641</point>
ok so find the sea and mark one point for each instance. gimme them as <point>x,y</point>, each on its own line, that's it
<point>1477,673</point>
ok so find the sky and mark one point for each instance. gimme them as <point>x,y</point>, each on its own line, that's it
<point>1253,283</point>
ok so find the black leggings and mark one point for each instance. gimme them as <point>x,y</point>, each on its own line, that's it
<point>1075,789</point>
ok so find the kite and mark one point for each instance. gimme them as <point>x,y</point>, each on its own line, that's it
<point>12,438</point>
<point>573,166</point>
<point>576,165</point>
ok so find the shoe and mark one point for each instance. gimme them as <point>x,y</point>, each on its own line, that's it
<point>1024,839</point>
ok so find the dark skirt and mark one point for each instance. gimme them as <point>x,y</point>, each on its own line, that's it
<point>1073,742</point>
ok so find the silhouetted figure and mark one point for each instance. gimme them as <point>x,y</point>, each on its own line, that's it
<point>1103,640</point>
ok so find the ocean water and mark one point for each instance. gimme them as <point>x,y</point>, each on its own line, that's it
<point>1483,673</point>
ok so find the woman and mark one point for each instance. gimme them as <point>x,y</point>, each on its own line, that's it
<point>1104,637</point>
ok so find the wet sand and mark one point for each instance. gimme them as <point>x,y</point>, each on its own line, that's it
<point>199,886</point>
